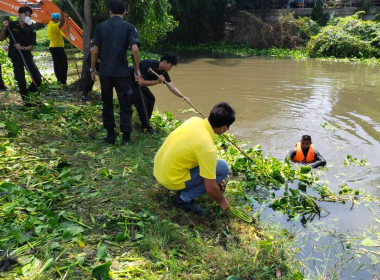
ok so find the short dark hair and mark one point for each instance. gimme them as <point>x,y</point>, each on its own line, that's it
<point>306,138</point>
<point>170,58</point>
<point>222,114</point>
<point>117,7</point>
<point>25,9</point>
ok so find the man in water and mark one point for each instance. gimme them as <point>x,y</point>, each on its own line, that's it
<point>148,79</point>
<point>305,153</point>
<point>24,41</point>
<point>187,161</point>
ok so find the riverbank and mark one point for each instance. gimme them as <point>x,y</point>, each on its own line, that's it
<point>80,128</point>
<point>227,49</point>
<point>71,203</point>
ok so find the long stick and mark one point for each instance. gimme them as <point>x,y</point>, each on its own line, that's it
<point>140,92</point>
<point>233,144</point>
<point>23,59</point>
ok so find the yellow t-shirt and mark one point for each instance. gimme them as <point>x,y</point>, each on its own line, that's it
<point>188,146</point>
<point>55,35</point>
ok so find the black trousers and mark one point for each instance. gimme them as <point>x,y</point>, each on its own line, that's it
<point>124,92</point>
<point>149,101</point>
<point>2,85</point>
<point>19,72</point>
<point>88,84</point>
<point>60,63</point>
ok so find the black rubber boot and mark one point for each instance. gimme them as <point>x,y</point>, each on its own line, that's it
<point>126,139</point>
<point>110,137</point>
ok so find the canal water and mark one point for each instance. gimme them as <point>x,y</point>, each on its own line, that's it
<point>279,100</point>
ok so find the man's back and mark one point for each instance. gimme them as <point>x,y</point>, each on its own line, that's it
<point>188,146</point>
<point>113,38</point>
<point>55,35</point>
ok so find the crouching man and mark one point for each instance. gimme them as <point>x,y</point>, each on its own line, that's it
<point>187,161</point>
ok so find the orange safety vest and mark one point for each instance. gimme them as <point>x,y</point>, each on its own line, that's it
<point>299,157</point>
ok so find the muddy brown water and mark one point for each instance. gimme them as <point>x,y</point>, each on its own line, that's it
<point>279,100</point>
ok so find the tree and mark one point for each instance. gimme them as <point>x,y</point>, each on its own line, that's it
<point>318,15</point>
<point>199,20</point>
<point>151,17</point>
<point>86,22</point>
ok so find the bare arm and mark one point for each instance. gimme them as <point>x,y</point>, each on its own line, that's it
<point>94,58</point>
<point>3,30</point>
<point>136,56</point>
<point>176,91</point>
<point>62,20</point>
<point>23,48</point>
<point>213,191</point>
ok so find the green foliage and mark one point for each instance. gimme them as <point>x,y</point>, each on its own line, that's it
<point>199,20</point>
<point>152,19</point>
<point>6,69</point>
<point>319,15</point>
<point>309,26</point>
<point>230,49</point>
<point>101,272</point>
<point>347,37</point>
<point>287,32</point>
<point>350,161</point>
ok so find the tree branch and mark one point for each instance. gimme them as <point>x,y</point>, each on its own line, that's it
<point>77,13</point>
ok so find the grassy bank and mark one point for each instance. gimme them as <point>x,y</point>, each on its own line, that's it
<point>228,49</point>
<point>70,203</point>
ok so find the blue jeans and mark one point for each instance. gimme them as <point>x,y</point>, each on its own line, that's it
<point>195,187</point>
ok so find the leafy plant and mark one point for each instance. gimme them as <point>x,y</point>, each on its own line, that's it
<point>346,37</point>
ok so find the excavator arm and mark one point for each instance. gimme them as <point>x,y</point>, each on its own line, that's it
<point>42,10</point>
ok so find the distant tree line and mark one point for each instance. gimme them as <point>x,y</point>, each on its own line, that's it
<point>175,20</point>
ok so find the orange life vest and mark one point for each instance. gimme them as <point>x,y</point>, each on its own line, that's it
<point>299,157</point>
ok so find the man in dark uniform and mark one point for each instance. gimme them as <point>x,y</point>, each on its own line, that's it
<point>112,38</point>
<point>25,36</point>
<point>162,67</point>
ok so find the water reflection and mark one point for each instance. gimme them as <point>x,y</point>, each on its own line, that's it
<point>279,100</point>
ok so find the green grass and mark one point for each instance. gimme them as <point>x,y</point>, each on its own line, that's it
<point>71,202</point>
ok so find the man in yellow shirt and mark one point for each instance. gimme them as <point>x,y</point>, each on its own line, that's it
<point>56,46</point>
<point>187,161</point>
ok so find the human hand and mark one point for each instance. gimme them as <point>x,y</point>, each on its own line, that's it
<point>138,79</point>
<point>93,75</point>
<point>222,186</point>
<point>224,205</point>
<point>18,47</point>
<point>161,79</point>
